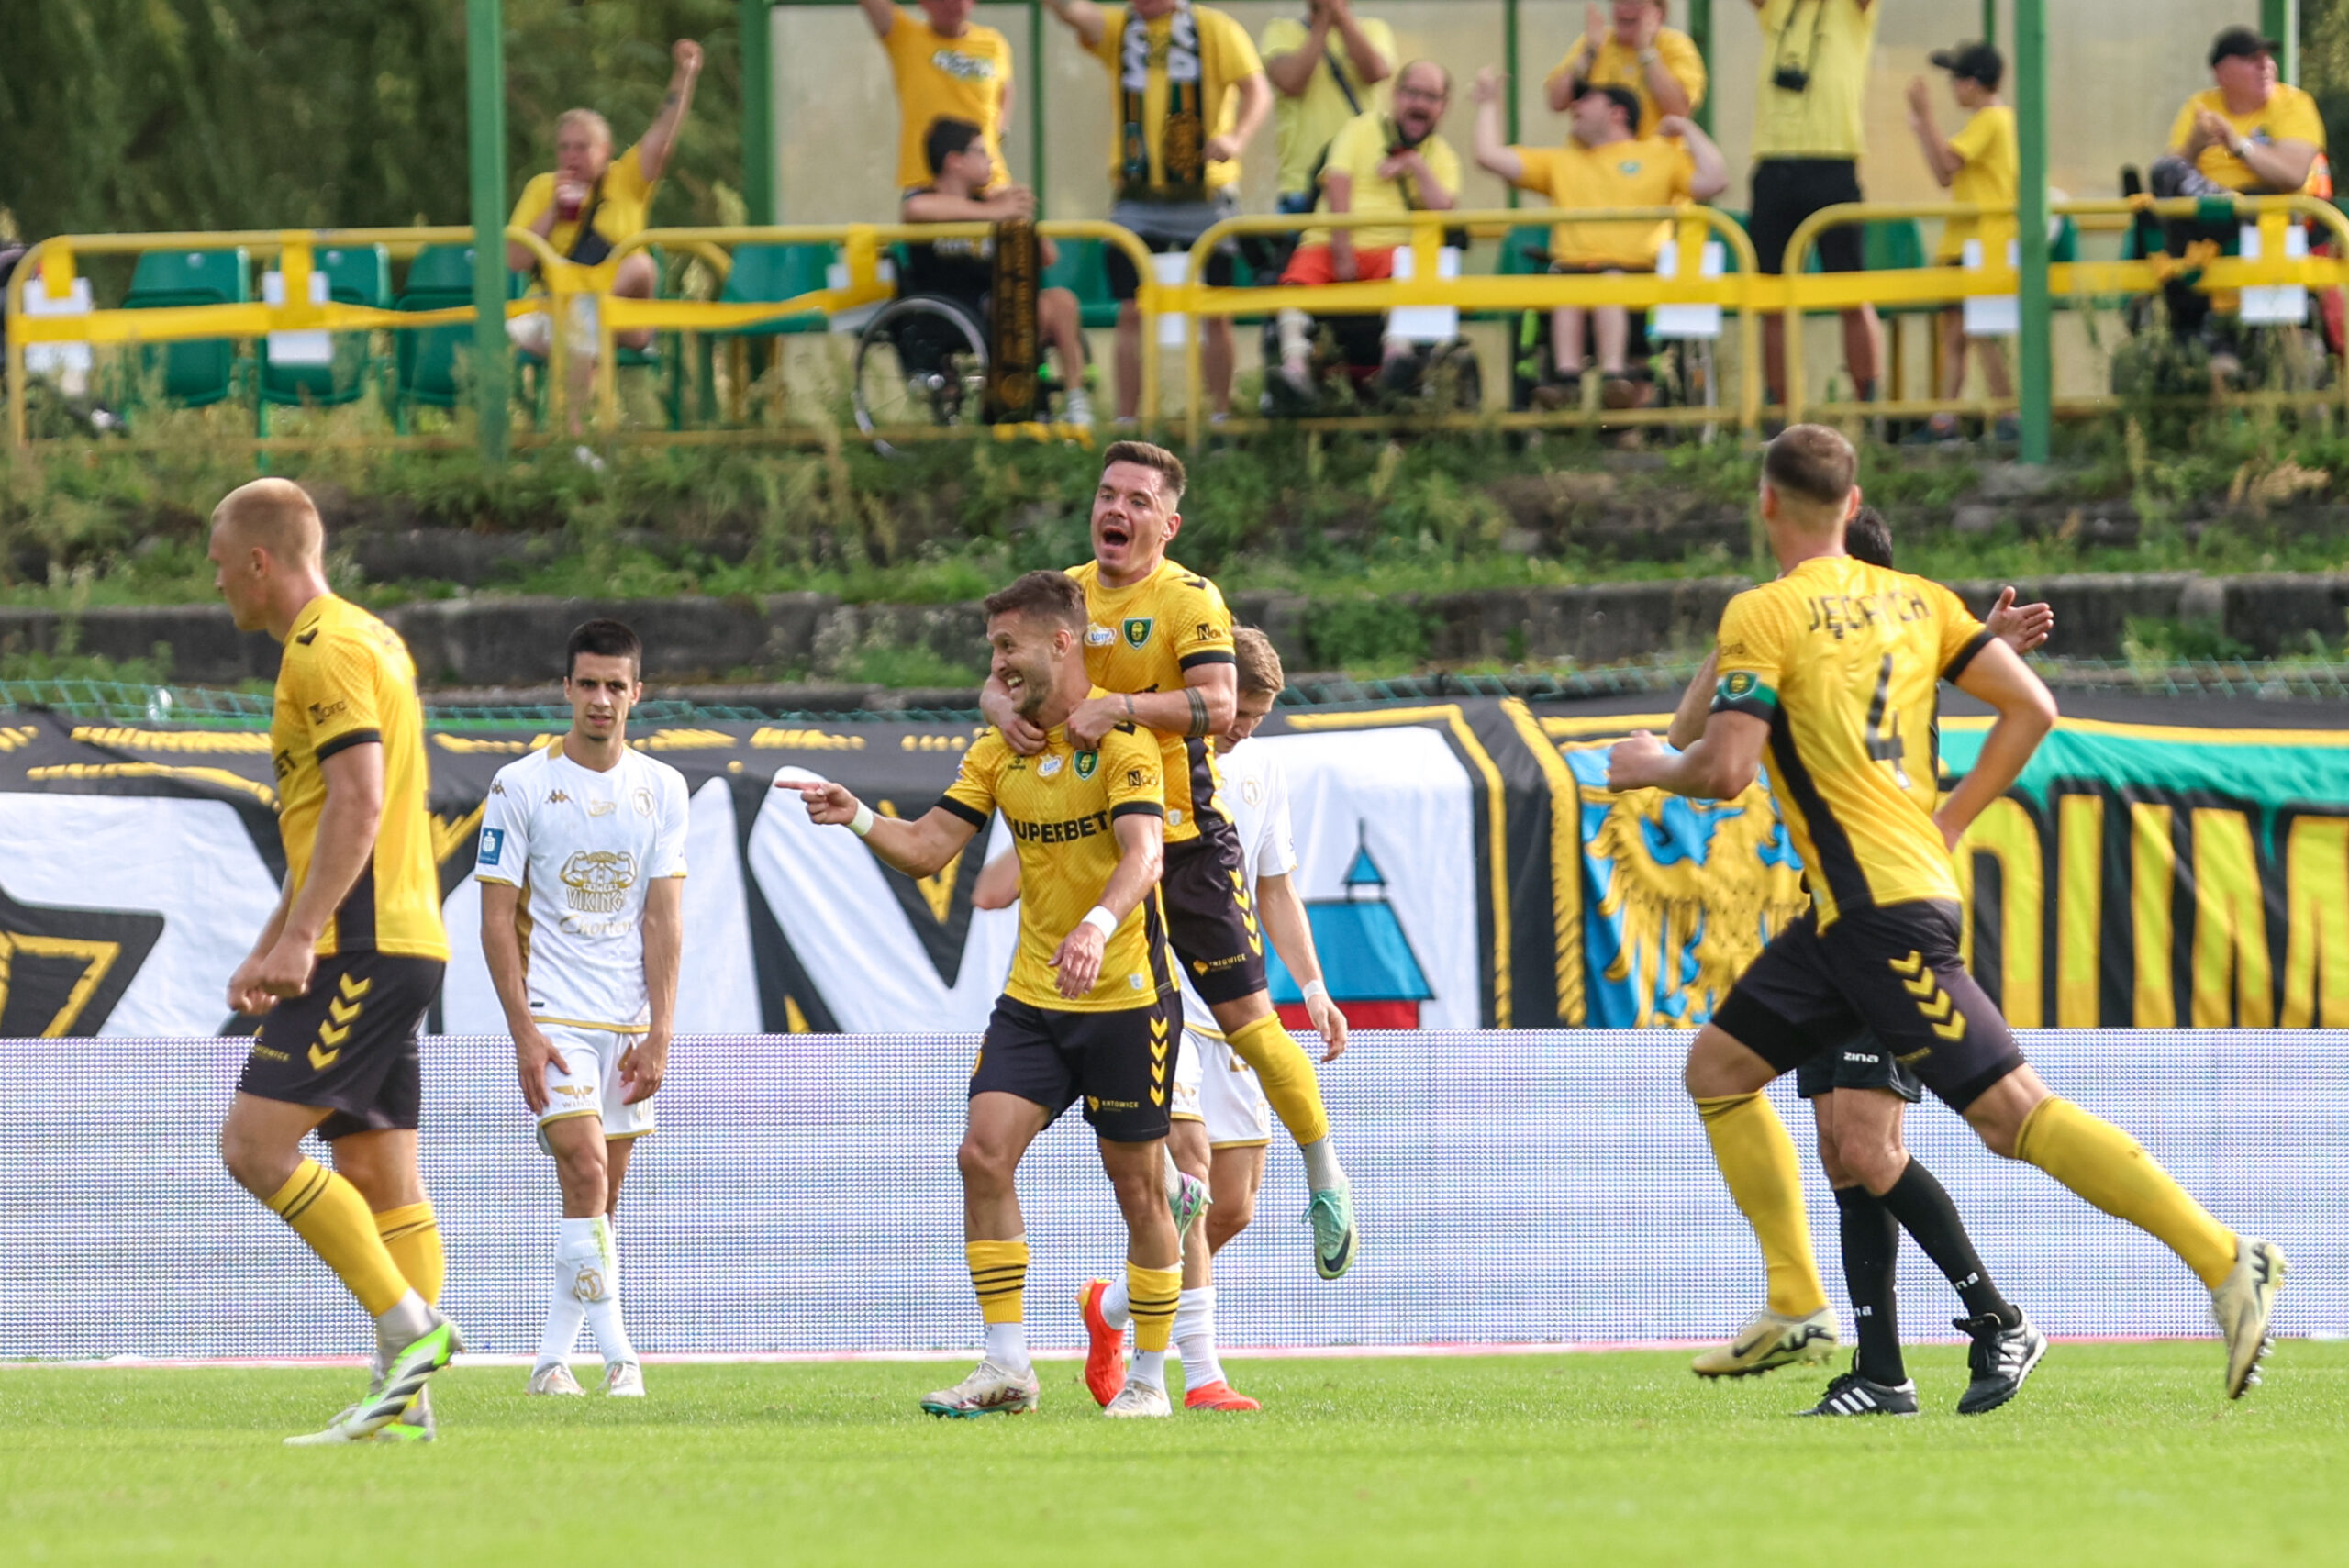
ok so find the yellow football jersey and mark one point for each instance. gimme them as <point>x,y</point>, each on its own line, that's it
<point>346,679</point>
<point>1143,638</point>
<point>1842,660</point>
<point>1061,804</point>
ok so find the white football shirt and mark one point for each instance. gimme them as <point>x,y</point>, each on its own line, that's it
<point>582,847</point>
<point>1252,791</point>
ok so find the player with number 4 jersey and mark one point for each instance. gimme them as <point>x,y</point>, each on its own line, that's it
<point>1830,672</point>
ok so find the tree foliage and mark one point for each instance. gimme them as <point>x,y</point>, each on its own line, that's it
<point>139,115</point>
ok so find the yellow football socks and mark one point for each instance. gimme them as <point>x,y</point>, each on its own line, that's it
<point>999,1274</point>
<point>328,1212</point>
<point>1757,1159</point>
<point>412,1235</point>
<point>1286,1075</point>
<point>1151,1296</point>
<point>2112,1171</point>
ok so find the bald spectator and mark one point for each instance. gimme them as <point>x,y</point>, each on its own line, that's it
<point>1625,44</point>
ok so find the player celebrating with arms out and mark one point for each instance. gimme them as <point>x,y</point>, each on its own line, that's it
<point>1090,1011</point>
<point>1158,642</point>
<point>344,968</point>
<point>1832,669</point>
<point>582,866</point>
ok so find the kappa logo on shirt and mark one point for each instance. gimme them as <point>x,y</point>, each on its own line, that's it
<point>558,798</point>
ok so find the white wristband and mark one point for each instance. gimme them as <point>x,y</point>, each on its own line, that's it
<point>1314,988</point>
<point>861,823</point>
<point>1101,920</point>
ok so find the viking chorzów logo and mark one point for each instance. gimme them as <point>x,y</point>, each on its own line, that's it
<point>1086,762</point>
<point>1137,630</point>
<point>597,881</point>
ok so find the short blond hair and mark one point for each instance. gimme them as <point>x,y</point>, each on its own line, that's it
<point>591,119</point>
<point>275,515</point>
<point>1259,661</point>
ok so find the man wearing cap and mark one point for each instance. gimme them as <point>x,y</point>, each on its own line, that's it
<point>1601,164</point>
<point>1978,167</point>
<point>2250,133</point>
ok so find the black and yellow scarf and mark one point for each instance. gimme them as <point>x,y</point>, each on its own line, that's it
<point>1182,134</point>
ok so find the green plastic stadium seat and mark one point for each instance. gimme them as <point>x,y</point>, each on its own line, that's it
<point>201,371</point>
<point>424,361</point>
<point>765,275</point>
<point>1082,271</point>
<point>355,275</point>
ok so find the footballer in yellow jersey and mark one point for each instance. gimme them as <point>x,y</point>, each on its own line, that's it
<point>1090,1014</point>
<point>343,970</point>
<point>1159,640</point>
<point>1829,675</point>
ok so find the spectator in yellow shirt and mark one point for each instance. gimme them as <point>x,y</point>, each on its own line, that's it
<point>1190,94</point>
<point>1323,81</point>
<point>591,202</point>
<point>945,68</point>
<point>1626,44</point>
<point>2249,133</point>
<point>1377,163</point>
<point>1807,137</point>
<point>1602,164</point>
<point>1979,167</point>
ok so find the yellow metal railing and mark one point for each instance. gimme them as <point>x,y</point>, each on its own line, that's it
<point>1741,289</point>
<point>1737,289</point>
<point>53,261</point>
<point>1947,285</point>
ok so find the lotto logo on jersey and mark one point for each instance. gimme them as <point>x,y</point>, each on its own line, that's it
<point>493,845</point>
<point>1138,629</point>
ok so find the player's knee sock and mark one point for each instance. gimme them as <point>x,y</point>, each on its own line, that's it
<point>1114,1303</point>
<point>603,1319</point>
<point>412,1235</point>
<point>1922,1207</point>
<point>999,1276</point>
<point>1153,1295</point>
<point>1871,1251</point>
<point>2112,1171</point>
<point>326,1212</point>
<point>578,1274</point>
<point>1757,1160</point>
<point>1195,1338</point>
<point>1286,1075</point>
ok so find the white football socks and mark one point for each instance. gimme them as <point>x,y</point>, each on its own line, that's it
<point>604,1306</point>
<point>1195,1338</point>
<point>1148,1368</point>
<point>1322,1171</point>
<point>1116,1305</point>
<point>408,1320</point>
<point>578,1272</point>
<point>1006,1346</point>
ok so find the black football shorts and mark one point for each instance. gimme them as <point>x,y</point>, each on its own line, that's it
<point>1210,921</point>
<point>1120,1064</point>
<point>1860,1062</point>
<point>1892,971</point>
<point>349,1043</point>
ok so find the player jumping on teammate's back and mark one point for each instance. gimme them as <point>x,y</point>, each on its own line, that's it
<point>1090,1013</point>
<point>582,867</point>
<point>1832,669</point>
<point>1222,1122</point>
<point>1158,642</point>
<point>345,966</point>
<point>1858,1091</point>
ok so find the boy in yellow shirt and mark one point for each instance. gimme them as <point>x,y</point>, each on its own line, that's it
<point>1978,167</point>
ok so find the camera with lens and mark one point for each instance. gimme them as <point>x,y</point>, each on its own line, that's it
<point>1790,78</point>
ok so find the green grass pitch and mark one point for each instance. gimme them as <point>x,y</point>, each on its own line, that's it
<point>2119,1454</point>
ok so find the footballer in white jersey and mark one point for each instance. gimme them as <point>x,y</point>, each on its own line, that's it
<point>582,863</point>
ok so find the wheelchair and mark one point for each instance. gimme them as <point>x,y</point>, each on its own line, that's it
<point>922,359</point>
<point>1350,374</point>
